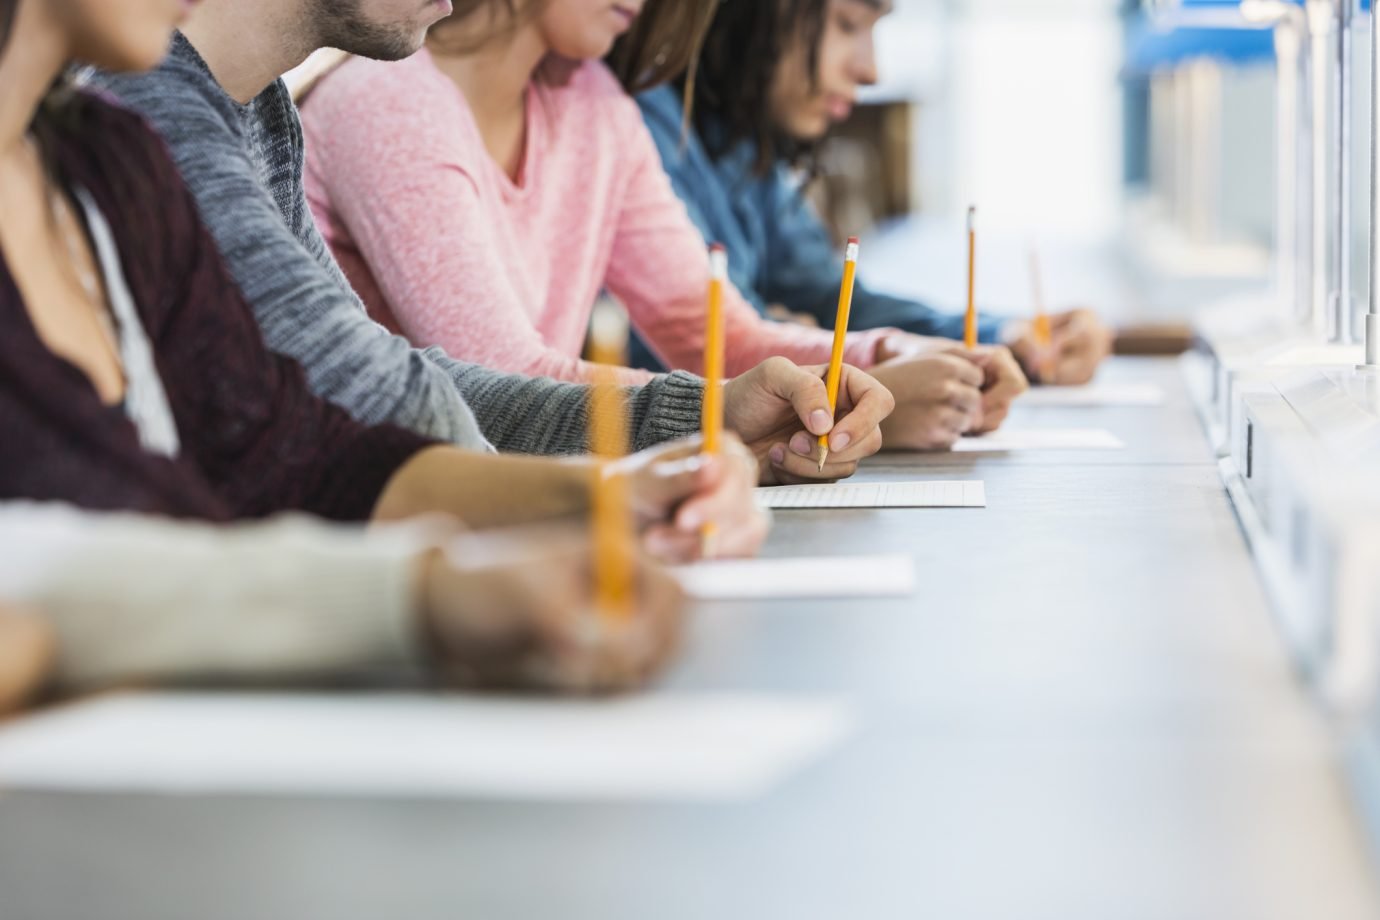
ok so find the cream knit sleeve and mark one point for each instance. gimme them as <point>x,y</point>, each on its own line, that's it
<point>136,598</point>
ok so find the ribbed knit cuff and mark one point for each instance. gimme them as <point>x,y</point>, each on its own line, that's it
<point>668,408</point>
<point>862,346</point>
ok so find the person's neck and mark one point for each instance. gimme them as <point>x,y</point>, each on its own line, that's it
<point>248,44</point>
<point>495,78</point>
<point>35,55</point>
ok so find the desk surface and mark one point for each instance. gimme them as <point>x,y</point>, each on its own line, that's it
<point>1084,713</point>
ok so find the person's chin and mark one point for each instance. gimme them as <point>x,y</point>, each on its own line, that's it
<point>809,131</point>
<point>136,60</point>
<point>599,46</point>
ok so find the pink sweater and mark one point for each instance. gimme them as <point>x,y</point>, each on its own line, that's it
<point>446,249</point>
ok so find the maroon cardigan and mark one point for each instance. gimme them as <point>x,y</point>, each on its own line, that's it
<point>255,440</point>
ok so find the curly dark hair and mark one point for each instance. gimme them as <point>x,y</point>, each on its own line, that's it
<point>731,88</point>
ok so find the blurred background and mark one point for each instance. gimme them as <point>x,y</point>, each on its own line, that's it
<point>1135,149</point>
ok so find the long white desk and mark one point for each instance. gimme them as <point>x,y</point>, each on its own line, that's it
<point>1084,714</point>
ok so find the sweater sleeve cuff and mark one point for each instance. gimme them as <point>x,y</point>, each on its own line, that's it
<point>668,408</point>
<point>135,599</point>
<point>861,351</point>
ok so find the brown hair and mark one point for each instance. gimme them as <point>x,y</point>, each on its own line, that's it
<point>732,86</point>
<point>663,43</point>
<point>664,40</point>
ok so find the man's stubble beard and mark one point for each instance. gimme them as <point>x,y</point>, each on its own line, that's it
<point>342,24</point>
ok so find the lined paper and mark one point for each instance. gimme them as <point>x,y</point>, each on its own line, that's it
<point>930,494</point>
<point>711,747</point>
<point>1022,439</point>
<point>1094,395</point>
<point>798,578</point>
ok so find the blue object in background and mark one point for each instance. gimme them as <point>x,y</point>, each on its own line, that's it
<point>1150,48</point>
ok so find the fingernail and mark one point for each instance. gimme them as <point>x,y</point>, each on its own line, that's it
<point>820,421</point>
<point>839,442</point>
<point>800,443</point>
<point>690,520</point>
<point>777,455</point>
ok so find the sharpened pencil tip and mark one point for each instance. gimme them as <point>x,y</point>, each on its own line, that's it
<point>823,456</point>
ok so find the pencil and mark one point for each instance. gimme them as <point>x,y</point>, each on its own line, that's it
<point>1041,327</point>
<point>608,431</point>
<point>713,418</point>
<point>850,270</point>
<point>970,319</point>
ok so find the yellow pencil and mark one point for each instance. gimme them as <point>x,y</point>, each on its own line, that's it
<point>713,419</point>
<point>611,516</point>
<point>970,319</point>
<point>850,271</point>
<point>1043,333</point>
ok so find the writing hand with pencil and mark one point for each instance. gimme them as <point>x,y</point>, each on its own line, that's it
<point>938,400</point>
<point>1068,353</point>
<point>675,489</point>
<point>1003,381</point>
<point>518,610</point>
<point>843,388</point>
<point>780,410</point>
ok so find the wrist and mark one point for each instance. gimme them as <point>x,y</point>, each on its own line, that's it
<point>430,570</point>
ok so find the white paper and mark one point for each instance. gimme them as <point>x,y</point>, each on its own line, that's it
<point>828,576</point>
<point>1094,395</point>
<point>712,747</point>
<point>932,494</point>
<point>1022,439</point>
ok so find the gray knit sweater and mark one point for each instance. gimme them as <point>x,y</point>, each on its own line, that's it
<point>244,165</point>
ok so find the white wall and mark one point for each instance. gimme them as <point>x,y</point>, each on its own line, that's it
<point>1021,108</point>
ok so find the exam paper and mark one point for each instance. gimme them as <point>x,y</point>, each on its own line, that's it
<point>1094,395</point>
<point>931,494</point>
<point>1020,439</point>
<point>712,747</point>
<point>823,577</point>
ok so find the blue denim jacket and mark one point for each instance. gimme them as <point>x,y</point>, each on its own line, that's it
<point>780,251</point>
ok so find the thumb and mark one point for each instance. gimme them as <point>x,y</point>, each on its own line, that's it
<point>805,390</point>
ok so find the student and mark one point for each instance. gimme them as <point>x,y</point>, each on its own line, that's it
<point>480,194</point>
<point>118,598</point>
<point>26,653</point>
<point>232,127</point>
<point>133,376</point>
<point>773,78</point>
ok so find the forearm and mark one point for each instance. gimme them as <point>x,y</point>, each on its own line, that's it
<point>873,310</point>
<point>535,415</point>
<point>749,342</point>
<point>133,598</point>
<point>486,490</point>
